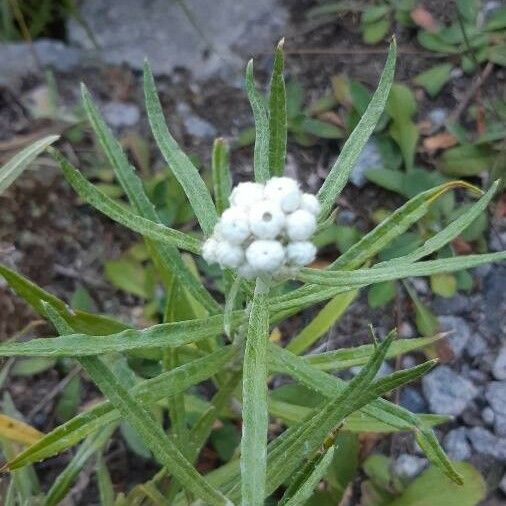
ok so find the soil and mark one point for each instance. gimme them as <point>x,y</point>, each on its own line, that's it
<point>49,236</point>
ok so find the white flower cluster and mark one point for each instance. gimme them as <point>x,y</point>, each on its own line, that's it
<point>266,230</point>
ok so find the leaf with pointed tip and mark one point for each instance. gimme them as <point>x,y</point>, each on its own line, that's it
<point>222,179</point>
<point>182,167</point>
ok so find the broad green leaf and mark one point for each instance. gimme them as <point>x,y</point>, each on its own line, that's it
<point>497,20</point>
<point>222,180</point>
<point>433,487</point>
<point>79,345</point>
<point>339,174</point>
<point>19,162</point>
<point>120,213</point>
<point>145,393</point>
<point>426,321</point>
<point>389,179</point>
<point>322,322</point>
<point>443,284</point>
<point>65,480</point>
<point>468,9</point>
<point>466,160</point>
<point>364,277</point>
<point>374,13</point>
<point>167,255</point>
<point>32,366</point>
<point>17,431</point>
<point>345,358</point>
<point>182,167</point>
<point>434,42</point>
<point>375,31</point>
<point>127,275</point>
<point>300,495</point>
<point>257,102</point>
<point>433,79</point>
<point>381,294</point>
<point>254,406</point>
<point>277,115</point>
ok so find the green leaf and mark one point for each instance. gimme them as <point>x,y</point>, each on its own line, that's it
<point>468,9</point>
<point>466,160</point>
<point>392,180</point>
<point>401,102</point>
<point>222,180</point>
<point>433,79</point>
<point>443,284</point>
<point>433,487</point>
<point>375,31</point>
<point>19,162</point>
<point>127,275</point>
<point>426,322</point>
<point>322,129</point>
<point>182,167</point>
<point>70,399</point>
<point>381,294</point>
<point>257,102</point>
<point>105,487</point>
<point>32,366</point>
<point>254,393</point>
<point>340,172</point>
<point>146,393</point>
<point>497,20</point>
<point>374,13</point>
<point>365,277</point>
<point>121,214</point>
<point>434,42</point>
<point>277,115</point>
<point>322,322</point>
<point>225,440</point>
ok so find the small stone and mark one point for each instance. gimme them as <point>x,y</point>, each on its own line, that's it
<point>447,392</point>
<point>486,443</point>
<point>495,394</point>
<point>499,367</point>
<point>502,484</point>
<point>476,346</point>
<point>412,400</point>
<point>195,125</point>
<point>120,114</point>
<point>438,116</point>
<point>457,445</point>
<point>458,304</point>
<point>369,159</point>
<point>459,333</point>
<point>488,415</point>
<point>408,466</point>
<point>421,285</point>
<point>406,330</point>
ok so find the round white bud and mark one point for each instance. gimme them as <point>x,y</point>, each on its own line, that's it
<point>229,255</point>
<point>234,225</point>
<point>300,253</point>
<point>310,203</point>
<point>266,220</point>
<point>209,250</point>
<point>285,191</point>
<point>246,271</point>
<point>265,256</point>
<point>246,194</point>
<point>300,225</point>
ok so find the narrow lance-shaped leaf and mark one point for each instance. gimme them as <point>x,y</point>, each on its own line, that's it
<point>95,197</point>
<point>134,189</point>
<point>19,162</point>
<point>222,180</point>
<point>340,172</point>
<point>424,268</point>
<point>254,393</point>
<point>261,151</point>
<point>277,115</point>
<point>182,167</point>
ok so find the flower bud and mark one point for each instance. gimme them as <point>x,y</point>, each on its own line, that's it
<point>285,191</point>
<point>266,220</point>
<point>246,194</point>
<point>246,271</point>
<point>310,203</point>
<point>300,253</point>
<point>300,225</point>
<point>209,250</point>
<point>265,256</point>
<point>229,255</point>
<point>234,225</point>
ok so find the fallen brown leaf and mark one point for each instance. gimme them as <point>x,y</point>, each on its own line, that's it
<point>443,140</point>
<point>423,18</point>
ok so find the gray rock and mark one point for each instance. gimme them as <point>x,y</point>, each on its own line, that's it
<point>494,306</point>
<point>458,304</point>
<point>421,285</point>
<point>438,116</point>
<point>204,37</point>
<point>459,333</point>
<point>370,158</point>
<point>121,114</point>
<point>194,125</point>
<point>499,367</point>
<point>502,484</point>
<point>17,60</point>
<point>408,466</point>
<point>457,445</point>
<point>447,392</point>
<point>477,346</point>
<point>406,330</point>
<point>413,400</point>
<point>488,415</point>
<point>495,394</point>
<point>486,443</point>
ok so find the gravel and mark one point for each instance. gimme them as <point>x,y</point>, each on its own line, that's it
<point>447,392</point>
<point>495,394</point>
<point>120,114</point>
<point>457,445</point>
<point>460,333</point>
<point>408,466</point>
<point>499,367</point>
<point>486,443</point>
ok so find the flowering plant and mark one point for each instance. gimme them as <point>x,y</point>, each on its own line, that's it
<point>264,233</point>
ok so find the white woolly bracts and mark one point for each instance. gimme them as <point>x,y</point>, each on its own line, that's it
<point>266,230</point>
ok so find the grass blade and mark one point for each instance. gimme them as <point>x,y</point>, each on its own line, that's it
<point>105,487</point>
<point>96,198</point>
<point>369,276</point>
<point>277,115</point>
<point>254,393</point>
<point>182,167</point>
<point>261,152</point>
<point>134,189</point>
<point>222,180</point>
<point>147,393</point>
<point>19,162</point>
<point>340,172</point>
<point>18,431</point>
